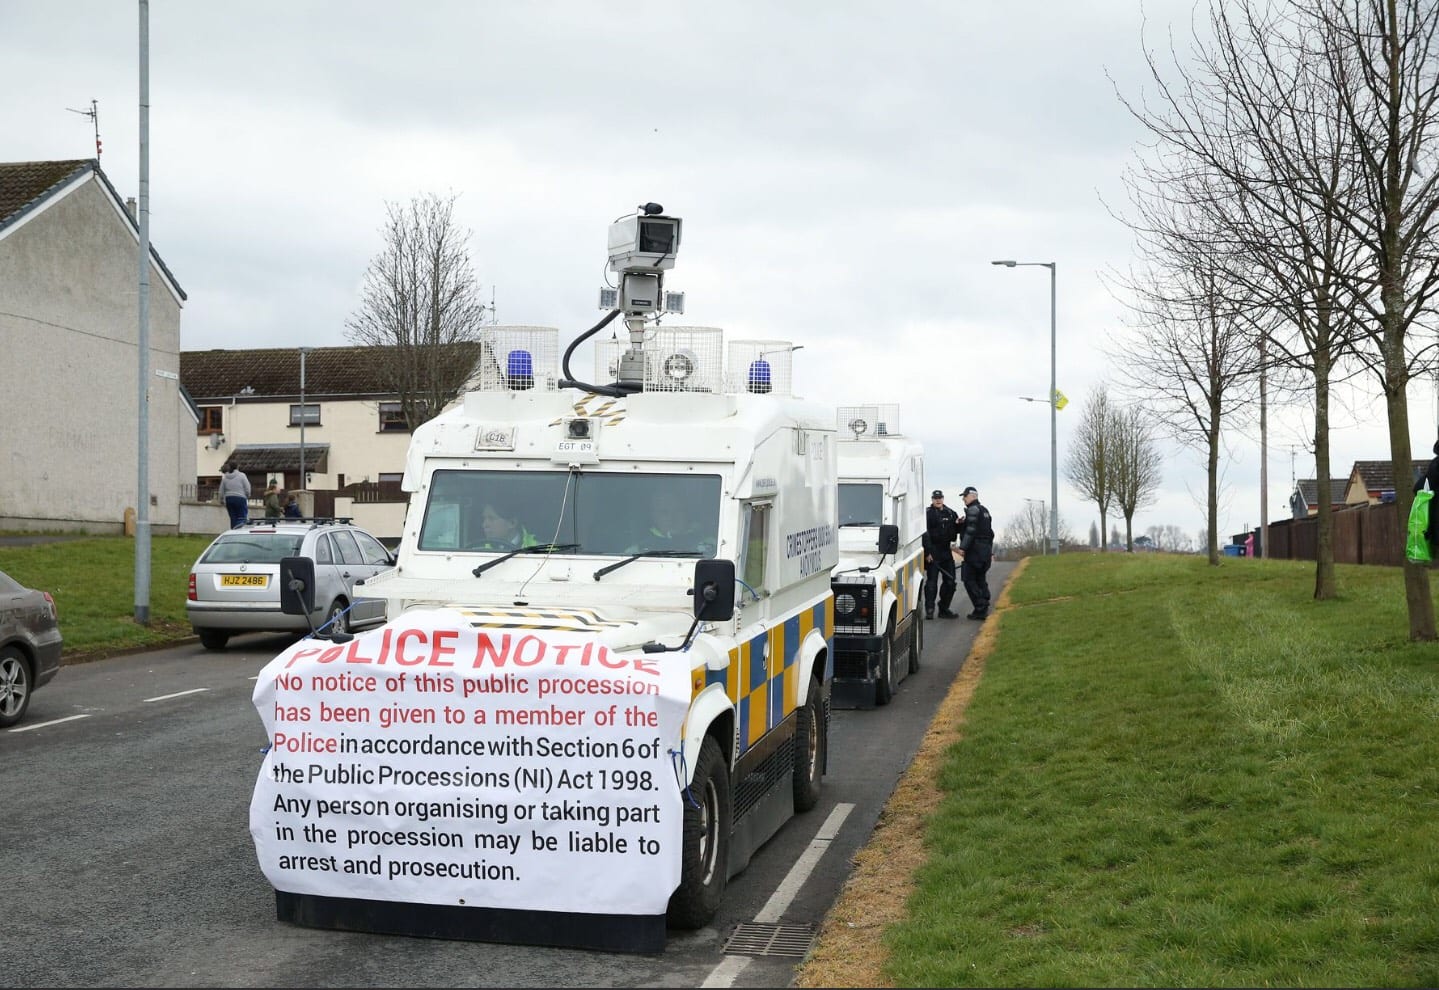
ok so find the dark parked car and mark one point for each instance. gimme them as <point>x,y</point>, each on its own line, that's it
<point>29,646</point>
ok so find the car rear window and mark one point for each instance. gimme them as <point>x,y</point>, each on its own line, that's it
<point>253,548</point>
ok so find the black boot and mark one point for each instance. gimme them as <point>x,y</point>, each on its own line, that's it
<point>929,612</point>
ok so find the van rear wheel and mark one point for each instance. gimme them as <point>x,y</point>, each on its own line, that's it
<point>809,756</point>
<point>916,640</point>
<point>213,639</point>
<point>704,866</point>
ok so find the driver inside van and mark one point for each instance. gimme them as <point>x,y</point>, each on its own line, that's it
<point>503,532</point>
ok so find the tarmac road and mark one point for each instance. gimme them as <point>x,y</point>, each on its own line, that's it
<point>129,860</point>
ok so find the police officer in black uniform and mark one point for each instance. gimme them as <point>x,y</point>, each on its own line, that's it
<point>976,551</point>
<point>941,527</point>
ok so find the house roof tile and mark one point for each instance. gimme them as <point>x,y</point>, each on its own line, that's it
<point>277,458</point>
<point>22,184</point>
<point>274,373</point>
<point>1309,490</point>
<point>1378,476</point>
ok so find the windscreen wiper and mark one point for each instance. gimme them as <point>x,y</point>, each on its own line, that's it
<point>843,525</point>
<point>537,548</point>
<point>644,553</point>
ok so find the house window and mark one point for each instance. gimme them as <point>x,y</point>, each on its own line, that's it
<point>392,418</point>
<point>391,479</point>
<point>308,414</point>
<point>212,420</point>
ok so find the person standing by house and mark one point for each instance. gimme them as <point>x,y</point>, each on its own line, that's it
<point>273,506</point>
<point>941,526</point>
<point>235,493</point>
<point>292,505</point>
<point>976,552</point>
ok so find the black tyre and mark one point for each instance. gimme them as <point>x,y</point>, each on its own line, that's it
<point>213,639</point>
<point>16,683</point>
<point>709,815</point>
<point>809,747</point>
<point>337,620</point>
<point>884,686</point>
<point>916,640</point>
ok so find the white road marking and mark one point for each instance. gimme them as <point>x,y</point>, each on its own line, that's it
<point>730,967</point>
<point>780,900</point>
<point>53,721</point>
<point>177,694</point>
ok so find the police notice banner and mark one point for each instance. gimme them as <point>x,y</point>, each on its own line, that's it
<point>428,761</point>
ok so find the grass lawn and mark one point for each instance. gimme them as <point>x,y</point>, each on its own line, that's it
<point>93,582</point>
<point>1170,774</point>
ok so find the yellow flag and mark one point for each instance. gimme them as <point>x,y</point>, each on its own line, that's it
<point>1059,400</point>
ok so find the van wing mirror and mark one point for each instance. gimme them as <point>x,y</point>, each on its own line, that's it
<point>714,590</point>
<point>889,538</point>
<point>297,585</point>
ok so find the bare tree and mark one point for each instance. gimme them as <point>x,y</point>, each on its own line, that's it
<point>1089,464</point>
<point>421,299</point>
<point>1136,463</point>
<point>1314,125</point>
<point>1028,532</point>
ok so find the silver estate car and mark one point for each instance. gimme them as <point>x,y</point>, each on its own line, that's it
<point>30,645</point>
<point>235,585</point>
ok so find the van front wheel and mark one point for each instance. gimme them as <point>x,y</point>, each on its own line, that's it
<point>708,817</point>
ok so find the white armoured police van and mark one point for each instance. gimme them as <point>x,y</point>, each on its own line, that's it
<point>605,677</point>
<point>879,580</point>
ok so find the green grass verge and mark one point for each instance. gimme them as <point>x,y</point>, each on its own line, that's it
<point>93,582</point>
<point>1179,775</point>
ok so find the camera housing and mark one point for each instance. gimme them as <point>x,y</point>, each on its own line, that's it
<point>644,243</point>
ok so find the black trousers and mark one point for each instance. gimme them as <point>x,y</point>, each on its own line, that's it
<point>975,575</point>
<point>939,580</point>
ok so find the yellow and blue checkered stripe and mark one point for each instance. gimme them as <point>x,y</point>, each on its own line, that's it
<point>907,576</point>
<point>764,687</point>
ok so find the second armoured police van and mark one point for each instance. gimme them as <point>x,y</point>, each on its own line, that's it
<point>879,579</point>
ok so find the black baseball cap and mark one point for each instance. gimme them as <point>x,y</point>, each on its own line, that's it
<point>971,490</point>
<point>936,494</point>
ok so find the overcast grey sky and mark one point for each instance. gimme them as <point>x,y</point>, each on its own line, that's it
<point>845,171</point>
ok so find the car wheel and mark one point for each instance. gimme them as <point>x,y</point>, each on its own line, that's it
<point>916,640</point>
<point>15,684</point>
<point>704,867</point>
<point>337,621</point>
<point>213,639</point>
<point>884,687</point>
<point>809,744</point>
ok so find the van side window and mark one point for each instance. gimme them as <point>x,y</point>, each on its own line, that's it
<point>756,545</point>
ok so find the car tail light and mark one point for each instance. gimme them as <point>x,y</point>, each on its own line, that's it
<point>49,600</point>
<point>191,593</point>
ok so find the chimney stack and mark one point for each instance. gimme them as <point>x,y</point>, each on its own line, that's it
<point>130,206</point>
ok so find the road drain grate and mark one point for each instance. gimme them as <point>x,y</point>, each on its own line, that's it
<point>770,940</point>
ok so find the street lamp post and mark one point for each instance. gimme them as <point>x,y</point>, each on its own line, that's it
<point>1053,396</point>
<point>304,415</point>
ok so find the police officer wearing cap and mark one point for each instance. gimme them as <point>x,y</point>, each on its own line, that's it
<point>941,527</point>
<point>976,551</point>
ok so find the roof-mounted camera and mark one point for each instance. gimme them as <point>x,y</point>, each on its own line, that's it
<point>644,242</point>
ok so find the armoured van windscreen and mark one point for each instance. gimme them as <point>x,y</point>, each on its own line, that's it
<point>603,513</point>
<point>861,504</point>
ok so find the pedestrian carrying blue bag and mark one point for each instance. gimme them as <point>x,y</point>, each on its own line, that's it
<point>1417,548</point>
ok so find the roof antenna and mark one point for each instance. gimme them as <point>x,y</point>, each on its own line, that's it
<point>94,114</point>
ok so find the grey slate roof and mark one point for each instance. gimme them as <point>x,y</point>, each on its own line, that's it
<point>1309,489</point>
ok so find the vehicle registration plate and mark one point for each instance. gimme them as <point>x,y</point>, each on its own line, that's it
<point>244,580</point>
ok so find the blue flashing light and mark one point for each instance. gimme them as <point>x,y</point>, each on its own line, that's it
<point>759,376</point>
<point>520,370</point>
